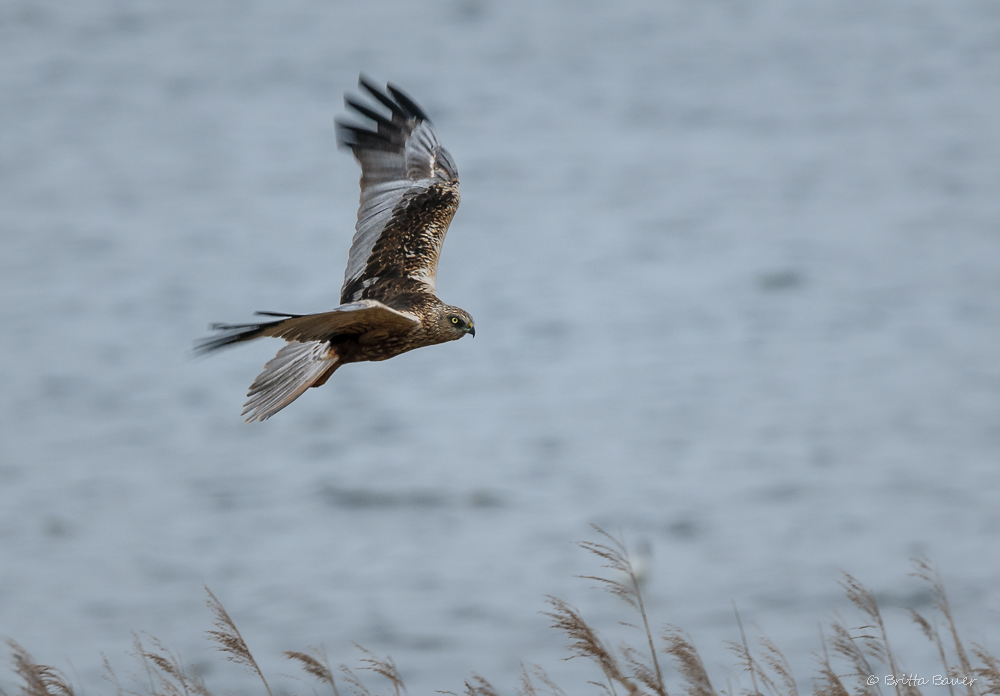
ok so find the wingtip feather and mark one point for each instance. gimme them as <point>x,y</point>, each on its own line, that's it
<point>375,91</point>
<point>406,102</point>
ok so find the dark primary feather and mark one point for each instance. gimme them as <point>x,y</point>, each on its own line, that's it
<point>391,133</point>
<point>382,121</point>
<point>404,100</point>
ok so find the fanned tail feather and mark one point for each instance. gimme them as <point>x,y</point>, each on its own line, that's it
<point>230,334</point>
<point>238,333</point>
<point>295,368</point>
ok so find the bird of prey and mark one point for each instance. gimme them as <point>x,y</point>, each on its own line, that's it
<point>409,194</point>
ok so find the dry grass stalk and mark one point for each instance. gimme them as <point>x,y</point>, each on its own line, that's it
<point>930,630</point>
<point>829,682</point>
<point>641,671</point>
<point>586,643</point>
<point>778,664</point>
<point>357,686</point>
<point>229,640</point>
<point>527,687</point>
<point>616,555</point>
<point>878,646</point>
<point>39,680</point>
<point>989,672</point>
<point>926,572</point>
<point>782,683</point>
<point>317,665</point>
<point>384,667</point>
<point>688,662</point>
<point>110,675</point>
<point>742,650</point>
<point>166,673</point>
<point>846,645</point>
<point>476,685</point>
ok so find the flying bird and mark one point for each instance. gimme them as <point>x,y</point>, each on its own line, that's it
<point>409,195</point>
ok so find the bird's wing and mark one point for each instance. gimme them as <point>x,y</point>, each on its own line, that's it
<point>354,318</point>
<point>409,192</point>
<point>295,368</point>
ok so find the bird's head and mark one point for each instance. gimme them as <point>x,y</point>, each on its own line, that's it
<point>456,323</point>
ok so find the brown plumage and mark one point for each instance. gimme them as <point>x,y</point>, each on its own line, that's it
<point>409,194</point>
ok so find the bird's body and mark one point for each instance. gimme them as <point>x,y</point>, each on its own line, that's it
<point>409,195</point>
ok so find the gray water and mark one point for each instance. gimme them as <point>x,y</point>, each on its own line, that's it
<point>735,270</point>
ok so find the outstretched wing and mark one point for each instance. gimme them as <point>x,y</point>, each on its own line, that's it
<point>409,192</point>
<point>355,318</point>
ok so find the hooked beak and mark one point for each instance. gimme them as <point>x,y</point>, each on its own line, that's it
<point>472,330</point>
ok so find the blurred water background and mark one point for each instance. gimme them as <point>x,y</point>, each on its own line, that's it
<point>735,269</point>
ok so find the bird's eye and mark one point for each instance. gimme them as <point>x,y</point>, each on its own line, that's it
<point>455,320</point>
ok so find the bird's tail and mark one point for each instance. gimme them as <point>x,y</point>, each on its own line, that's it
<point>295,368</point>
<point>237,333</point>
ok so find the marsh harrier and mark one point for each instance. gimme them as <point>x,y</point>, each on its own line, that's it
<point>409,194</point>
